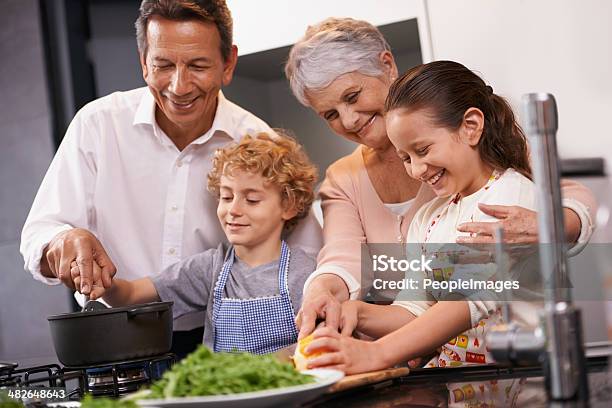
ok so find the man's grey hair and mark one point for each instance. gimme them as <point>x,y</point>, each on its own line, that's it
<point>331,48</point>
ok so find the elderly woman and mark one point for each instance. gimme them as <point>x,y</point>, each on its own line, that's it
<point>342,69</point>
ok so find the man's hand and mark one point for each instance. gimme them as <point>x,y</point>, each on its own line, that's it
<point>97,287</point>
<point>322,300</point>
<point>82,247</point>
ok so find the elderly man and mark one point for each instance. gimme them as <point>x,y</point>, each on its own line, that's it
<point>126,188</point>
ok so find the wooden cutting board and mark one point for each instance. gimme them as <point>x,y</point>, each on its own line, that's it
<point>373,377</point>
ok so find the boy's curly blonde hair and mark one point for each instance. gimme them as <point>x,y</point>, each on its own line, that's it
<point>280,160</point>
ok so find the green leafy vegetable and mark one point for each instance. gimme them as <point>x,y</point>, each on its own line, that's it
<point>206,373</point>
<point>105,402</point>
<point>6,402</point>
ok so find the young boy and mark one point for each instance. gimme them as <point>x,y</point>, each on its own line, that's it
<point>250,289</point>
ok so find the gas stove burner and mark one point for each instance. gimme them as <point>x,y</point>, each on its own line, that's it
<point>120,378</point>
<point>124,378</point>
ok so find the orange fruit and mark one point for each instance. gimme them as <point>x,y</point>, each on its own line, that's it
<point>300,357</point>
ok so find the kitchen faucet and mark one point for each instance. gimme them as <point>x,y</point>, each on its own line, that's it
<point>558,342</point>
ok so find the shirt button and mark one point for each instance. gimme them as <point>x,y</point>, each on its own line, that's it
<point>171,251</point>
<point>174,208</point>
<point>179,163</point>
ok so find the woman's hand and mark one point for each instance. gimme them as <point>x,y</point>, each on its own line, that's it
<point>344,353</point>
<point>321,301</point>
<point>519,224</point>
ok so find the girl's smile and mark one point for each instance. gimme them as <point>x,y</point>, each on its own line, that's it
<point>433,180</point>
<point>447,160</point>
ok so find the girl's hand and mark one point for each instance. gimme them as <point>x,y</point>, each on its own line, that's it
<point>344,353</point>
<point>349,317</point>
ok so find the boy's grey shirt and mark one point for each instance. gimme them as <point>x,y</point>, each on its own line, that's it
<point>190,282</point>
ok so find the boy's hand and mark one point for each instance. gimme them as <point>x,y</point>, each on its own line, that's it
<point>97,288</point>
<point>344,353</point>
<point>349,317</point>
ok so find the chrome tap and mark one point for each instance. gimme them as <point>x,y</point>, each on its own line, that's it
<point>558,342</point>
<point>563,325</point>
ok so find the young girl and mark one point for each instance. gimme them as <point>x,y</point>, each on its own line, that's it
<point>455,134</point>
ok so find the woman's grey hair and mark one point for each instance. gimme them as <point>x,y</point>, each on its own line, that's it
<point>331,48</point>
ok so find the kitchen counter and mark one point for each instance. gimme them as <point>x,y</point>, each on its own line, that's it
<point>430,387</point>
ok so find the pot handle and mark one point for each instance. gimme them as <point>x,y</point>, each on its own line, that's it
<point>146,309</point>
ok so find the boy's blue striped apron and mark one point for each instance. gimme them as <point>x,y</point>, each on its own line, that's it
<point>257,325</point>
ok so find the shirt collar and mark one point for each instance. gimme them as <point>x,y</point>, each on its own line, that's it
<point>223,121</point>
<point>145,113</point>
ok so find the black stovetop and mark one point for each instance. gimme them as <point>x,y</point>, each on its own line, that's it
<point>106,379</point>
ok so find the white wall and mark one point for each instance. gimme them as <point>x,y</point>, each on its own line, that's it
<point>557,46</point>
<point>265,24</point>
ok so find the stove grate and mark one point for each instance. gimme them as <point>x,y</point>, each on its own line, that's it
<point>111,379</point>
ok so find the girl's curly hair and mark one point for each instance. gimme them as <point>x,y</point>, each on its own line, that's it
<point>280,159</point>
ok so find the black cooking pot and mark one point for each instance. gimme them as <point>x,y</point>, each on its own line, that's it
<point>112,335</point>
